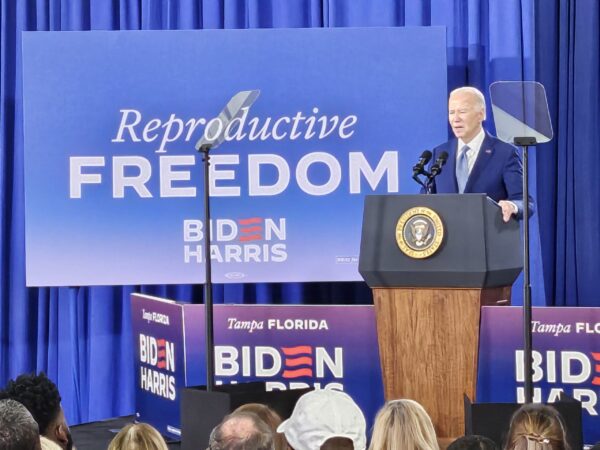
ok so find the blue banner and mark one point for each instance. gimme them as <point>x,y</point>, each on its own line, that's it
<point>160,362</point>
<point>114,185</point>
<point>287,347</point>
<point>566,358</point>
<point>336,347</point>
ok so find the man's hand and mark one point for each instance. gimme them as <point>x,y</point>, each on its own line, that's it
<point>508,209</point>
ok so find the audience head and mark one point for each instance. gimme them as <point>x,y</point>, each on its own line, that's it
<point>40,396</point>
<point>324,418</point>
<point>337,443</point>
<point>270,417</point>
<point>18,429</point>
<point>536,427</point>
<point>473,442</point>
<point>403,424</point>
<point>138,436</point>
<point>241,431</point>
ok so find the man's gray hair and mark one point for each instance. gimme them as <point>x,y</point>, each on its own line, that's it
<point>476,93</point>
<point>18,429</point>
<point>260,439</point>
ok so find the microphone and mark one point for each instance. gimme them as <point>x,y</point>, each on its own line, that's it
<point>423,160</point>
<point>436,169</point>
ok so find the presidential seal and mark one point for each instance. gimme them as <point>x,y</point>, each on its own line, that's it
<point>419,232</point>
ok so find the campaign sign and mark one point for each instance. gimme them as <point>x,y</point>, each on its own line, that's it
<point>335,347</point>
<point>158,341</point>
<point>566,358</point>
<point>114,185</point>
<point>287,347</point>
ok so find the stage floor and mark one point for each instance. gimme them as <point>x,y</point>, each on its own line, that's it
<point>97,435</point>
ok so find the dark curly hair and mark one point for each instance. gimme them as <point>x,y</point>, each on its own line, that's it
<point>39,395</point>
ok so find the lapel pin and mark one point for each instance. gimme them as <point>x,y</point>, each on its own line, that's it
<point>488,151</point>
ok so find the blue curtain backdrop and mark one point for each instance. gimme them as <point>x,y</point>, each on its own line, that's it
<point>81,336</point>
<point>568,64</point>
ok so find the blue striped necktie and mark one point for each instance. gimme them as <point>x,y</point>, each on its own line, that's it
<point>462,169</point>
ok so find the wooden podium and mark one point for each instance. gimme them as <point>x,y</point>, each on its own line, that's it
<point>428,308</point>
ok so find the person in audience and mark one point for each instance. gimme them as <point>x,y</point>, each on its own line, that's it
<point>270,417</point>
<point>18,428</point>
<point>40,396</point>
<point>47,444</point>
<point>536,427</point>
<point>241,431</point>
<point>138,436</point>
<point>473,442</point>
<point>403,424</point>
<point>325,419</point>
<point>337,443</point>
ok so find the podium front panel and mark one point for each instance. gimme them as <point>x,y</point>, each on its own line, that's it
<point>478,249</point>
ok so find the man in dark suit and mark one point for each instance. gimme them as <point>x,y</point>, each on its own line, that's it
<point>478,162</point>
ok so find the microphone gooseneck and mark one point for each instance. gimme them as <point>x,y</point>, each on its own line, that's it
<point>419,167</point>
<point>436,169</point>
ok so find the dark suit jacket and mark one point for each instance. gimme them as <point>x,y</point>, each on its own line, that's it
<point>497,172</point>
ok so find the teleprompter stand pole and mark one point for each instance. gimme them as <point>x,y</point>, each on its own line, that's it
<point>525,142</point>
<point>213,136</point>
<point>208,288</point>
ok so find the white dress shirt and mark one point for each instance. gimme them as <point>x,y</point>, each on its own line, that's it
<point>474,147</point>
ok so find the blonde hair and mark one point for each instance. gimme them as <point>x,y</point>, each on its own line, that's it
<point>271,418</point>
<point>138,436</point>
<point>537,427</point>
<point>475,93</point>
<point>402,425</point>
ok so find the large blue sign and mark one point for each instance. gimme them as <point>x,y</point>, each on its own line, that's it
<point>287,347</point>
<point>335,347</point>
<point>566,358</point>
<point>114,185</point>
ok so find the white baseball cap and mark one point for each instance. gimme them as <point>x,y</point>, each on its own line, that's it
<point>323,414</point>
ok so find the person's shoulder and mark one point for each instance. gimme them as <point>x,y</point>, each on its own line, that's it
<point>47,444</point>
<point>500,145</point>
<point>445,146</point>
